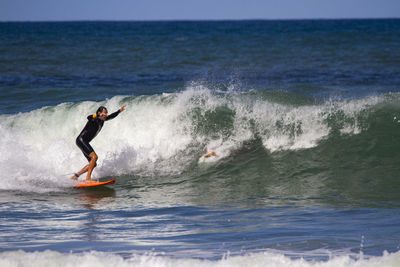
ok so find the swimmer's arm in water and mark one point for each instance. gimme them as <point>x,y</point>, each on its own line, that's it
<point>210,154</point>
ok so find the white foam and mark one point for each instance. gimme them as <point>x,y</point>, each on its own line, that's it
<point>155,135</point>
<point>99,259</point>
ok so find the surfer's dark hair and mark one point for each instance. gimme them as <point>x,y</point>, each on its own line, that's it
<point>100,109</point>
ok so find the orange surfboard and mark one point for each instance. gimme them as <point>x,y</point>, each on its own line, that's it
<point>94,184</point>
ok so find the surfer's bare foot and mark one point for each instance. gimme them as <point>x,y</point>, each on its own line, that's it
<point>74,177</point>
<point>90,181</point>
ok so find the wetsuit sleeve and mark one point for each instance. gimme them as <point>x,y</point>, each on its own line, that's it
<point>113,115</point>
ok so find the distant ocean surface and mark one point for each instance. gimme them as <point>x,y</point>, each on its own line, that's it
<point>303,115</point>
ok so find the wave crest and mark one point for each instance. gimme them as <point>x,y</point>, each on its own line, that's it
<point>167,134</point>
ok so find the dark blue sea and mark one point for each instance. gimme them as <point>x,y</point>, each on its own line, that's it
<point>303,117</point>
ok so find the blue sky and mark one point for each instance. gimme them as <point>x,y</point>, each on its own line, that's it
<point>61,10</point>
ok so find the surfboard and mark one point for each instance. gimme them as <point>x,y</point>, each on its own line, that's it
<point>94,184</point>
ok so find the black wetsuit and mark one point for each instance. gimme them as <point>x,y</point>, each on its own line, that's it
<point>92,128</point>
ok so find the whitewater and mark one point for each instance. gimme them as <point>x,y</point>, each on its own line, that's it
<point>256,259</point>
<point>164,134</point>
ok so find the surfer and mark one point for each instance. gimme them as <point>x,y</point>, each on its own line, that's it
<point>92,128</point>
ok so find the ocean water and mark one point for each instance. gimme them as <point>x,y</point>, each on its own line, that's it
<point>304,117</point>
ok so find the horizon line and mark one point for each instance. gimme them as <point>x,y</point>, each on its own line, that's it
<point>194,20</point>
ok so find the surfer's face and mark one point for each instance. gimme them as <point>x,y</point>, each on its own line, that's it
<point>103,114</point>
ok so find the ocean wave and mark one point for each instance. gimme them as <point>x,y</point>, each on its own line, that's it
<point>167,134</point>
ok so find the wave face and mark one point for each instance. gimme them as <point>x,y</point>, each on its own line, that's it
<point>269,134</point>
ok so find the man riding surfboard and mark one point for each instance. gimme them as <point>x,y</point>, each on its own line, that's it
<point>90,131</point>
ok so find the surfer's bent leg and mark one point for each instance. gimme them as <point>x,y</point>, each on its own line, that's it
<point>92,165</point>
<point>87,150</point>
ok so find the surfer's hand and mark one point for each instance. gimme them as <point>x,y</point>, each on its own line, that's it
<point>123,108</point>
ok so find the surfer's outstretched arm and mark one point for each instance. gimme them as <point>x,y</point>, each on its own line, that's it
<point>115,114</point>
